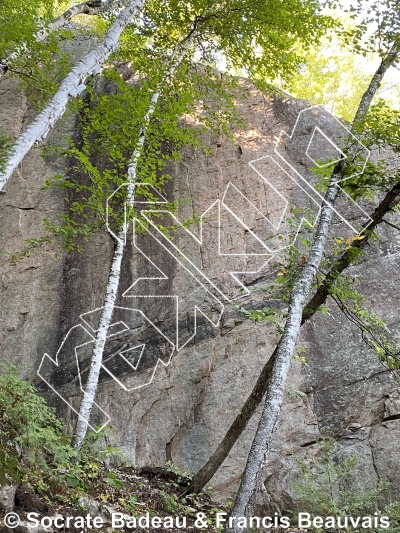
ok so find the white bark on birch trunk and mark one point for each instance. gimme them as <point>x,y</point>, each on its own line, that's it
<point>85,8</point>
<point>298,298</point>
<point>115,272</point>
<point>71,86</point>
<point>287,344</point>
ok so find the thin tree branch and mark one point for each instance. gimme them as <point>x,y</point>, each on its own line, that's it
<point>390,224</point>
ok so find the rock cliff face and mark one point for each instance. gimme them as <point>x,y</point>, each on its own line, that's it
<point>185,411</point>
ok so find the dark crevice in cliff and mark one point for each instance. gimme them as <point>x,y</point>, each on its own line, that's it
<point>391,417</point>
<point>168,451</point>
<point>351,383</point>
<point>306,444</point>
<point>20,208</point>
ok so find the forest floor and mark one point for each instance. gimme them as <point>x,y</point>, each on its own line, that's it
<point>129,492</point>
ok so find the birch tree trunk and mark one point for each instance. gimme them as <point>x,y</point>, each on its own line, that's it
<point>286,346</point>
<point>204,475</point>
<point>94,7</point>
<point>285,350</point>
<point>115,271</point>
<point>71,86</point>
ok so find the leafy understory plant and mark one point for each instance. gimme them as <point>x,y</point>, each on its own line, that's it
<point>35,447</point>
<point>393,511</point>
<point>30,433</point>
<point>326,487</point>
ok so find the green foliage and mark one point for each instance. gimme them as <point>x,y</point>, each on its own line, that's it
<point>31,244</point>
<point>258,37</point>
<point>29,429</point>
<point>269,314</point>
<point>285,271</point>
<point>327,486</point>
<point>336,72</point>
<point>39,64</point>
<point>169,502</point>
<point>375,333</point>
<point>392,510</point>
<point>330,76</point>
<point>20,22</point>
<point>36,450</point>
<point>113,480</point>
<point>380,129</point>
<point>171,467</point>
<point>381,126</point>
<point>377,25</point>
<point>129,504</point>
<point>5,149</point>
<point>110,125</point>
<point>41,71</point>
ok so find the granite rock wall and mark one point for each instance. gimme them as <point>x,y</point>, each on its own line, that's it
<point>343,391</point>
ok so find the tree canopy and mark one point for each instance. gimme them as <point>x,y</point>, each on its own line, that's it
<point>158,60</point>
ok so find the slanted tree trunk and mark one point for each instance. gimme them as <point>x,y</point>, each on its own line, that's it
<point>92,7</point>
<point>284,353</point>
<point>387,205</point>
<point>70,87</point>
<point>115,271</point>
<point>287,344</point>
<point>204,475</point>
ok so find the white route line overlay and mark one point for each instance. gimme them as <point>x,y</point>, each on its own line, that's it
<point>316,128</point>
<point>194,270</point>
